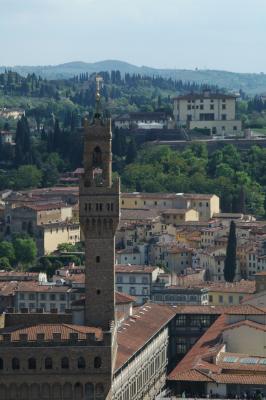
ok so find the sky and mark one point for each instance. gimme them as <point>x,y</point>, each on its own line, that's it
<point>206,34</point>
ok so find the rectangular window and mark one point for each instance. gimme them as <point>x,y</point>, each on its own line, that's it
<point>62,297</point>
<point>43,296</point>
<point>210,298</point>
<point>224,117</point>
<point>52,296</point>
<point>231,299</point>
<point>206,117</point>
<point>132,291</point>
<point>62,308</point>
<point>221,299</point>
<point>181,320</point>
<point>145,291</point>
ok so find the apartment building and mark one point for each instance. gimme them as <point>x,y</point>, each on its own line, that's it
<point>48,297</point>
<point>136,280</point>
<point>214,112</point>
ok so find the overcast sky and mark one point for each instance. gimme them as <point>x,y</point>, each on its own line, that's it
<point>213,34</point>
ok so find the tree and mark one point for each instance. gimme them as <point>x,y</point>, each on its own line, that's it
<point>27,176</point>
<point>131,151</point>
<point>5,264</point>
<point>66,247</point>
<point>25,251</point>
<point>230,259</point>
<point>23,142</point>
<point>7,251</point>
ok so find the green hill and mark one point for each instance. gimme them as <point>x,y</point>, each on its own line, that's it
<point>248,82</point>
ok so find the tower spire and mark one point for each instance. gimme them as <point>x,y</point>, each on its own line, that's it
<point>97,96</point>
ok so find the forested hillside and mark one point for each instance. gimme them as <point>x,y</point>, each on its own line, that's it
<point>49,138</point>
<point>249,82</point>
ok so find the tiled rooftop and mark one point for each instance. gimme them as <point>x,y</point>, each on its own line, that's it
<point>140,328</point>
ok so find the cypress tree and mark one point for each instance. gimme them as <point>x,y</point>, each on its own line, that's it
<point>230,259</point>
<point>23,142</point>
<point>131,151</point>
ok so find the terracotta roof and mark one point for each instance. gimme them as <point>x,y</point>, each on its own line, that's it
<point>8,288</point>
<point>246,322</point>
<point>45,207</point>
<point>155,196</point>
<point>240,379</point>
<point>49,329</point>
<point>199,96</point>
<point>198,196</point>
<point>177,210</point>
<point>123,298</point>
<point>120,298</point>
<point>32,286</point>
<point>137,269</point>
<point>208,358</point>
<point>236,287</point>
<point>263,273</point>
<point>139,329</point>
<point>18,274</point>
<point>203,346</point>
<point>142,214</point>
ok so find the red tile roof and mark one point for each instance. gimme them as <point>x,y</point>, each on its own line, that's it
<point>49,329</point>
<point>139,329</point>
<point>207,358</point>
<point>137,269</point>
<point>246,322</point>
<point>123,298</point>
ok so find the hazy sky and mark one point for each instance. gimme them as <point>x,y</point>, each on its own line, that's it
<point>214,34</point>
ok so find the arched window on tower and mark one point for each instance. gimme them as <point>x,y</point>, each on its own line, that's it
<point>32,363</point>
<point>1,363</point>
<point>81,363</point>
<point>97,157</point>
<point>15,363</point>
<point>97,362</point>
<point>48,363</point>
<point>65,363</point>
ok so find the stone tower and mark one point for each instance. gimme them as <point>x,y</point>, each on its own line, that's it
<point>99,218</point>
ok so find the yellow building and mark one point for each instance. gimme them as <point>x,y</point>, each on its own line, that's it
<point>51,235</point>
<point>176,215</point>
<point>205,204</point>
<point>229,294</point>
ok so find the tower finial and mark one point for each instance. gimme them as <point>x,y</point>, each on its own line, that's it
<point>98,96</point>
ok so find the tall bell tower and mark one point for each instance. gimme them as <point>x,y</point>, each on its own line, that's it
<point>99,218</point>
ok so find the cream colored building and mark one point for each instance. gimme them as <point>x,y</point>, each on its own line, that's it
<point>51,235</point>
<point>213,111</point>
<point>205,204</point>
<point>173,216</point>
